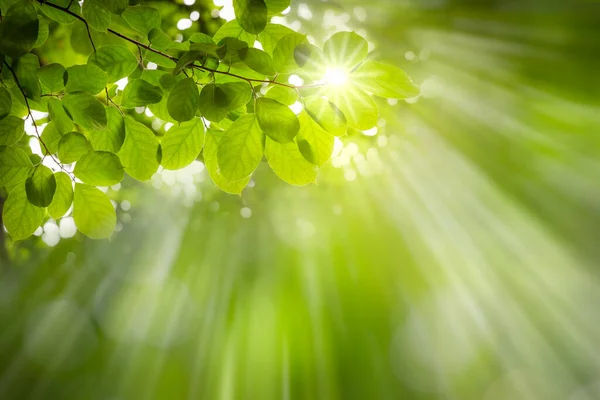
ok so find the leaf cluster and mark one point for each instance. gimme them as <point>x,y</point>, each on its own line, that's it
<point>227,96</point>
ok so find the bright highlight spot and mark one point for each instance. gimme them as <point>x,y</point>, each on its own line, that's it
<point>295,80</point>
<point>121,83</point>
<point>227,12</point>
<point>67,228</point>
<point>371,132</point>
<point>125,205</point>
<point>335,76</point>
<point>296,107</point>
<point>304,12</point>
<point>246,212</point>
<point>184,24</point>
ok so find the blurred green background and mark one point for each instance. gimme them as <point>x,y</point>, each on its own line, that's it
<point>452,255</point>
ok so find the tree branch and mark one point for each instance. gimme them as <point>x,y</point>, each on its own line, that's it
<point>175,59</point>
<point>37,132</point>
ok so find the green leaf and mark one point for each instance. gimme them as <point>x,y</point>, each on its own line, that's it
<point>272,35</point>
<point>51,137</point>
<point>241,148</point>
<point>187,59</point>
<point>182,144</point>
<point>282,94</point>
<point>43,33</point>
<point>11,130</point>
<point>86,78</point>
<point>85,110</point>
<point>277,120</point>
<point>79,40</point>
<point>209,48</point>
<point>40,186</point>
<point>97,16</point>
<point>211,146</point>
<point>20,217</point>
<point>19,29</point>
<point>252,15</point>
<point>93,212</point>
<point>312,61</point>
<point>358,107</point>
<point>26,70</point>
<point>159,40</point>
<point>99,168</point>
<point>139,93</point>
<point>114,6</point>
<point>277,6</point>
<point>384,80</point>
<point>53,76</point>
<point>216,100</point>
<point>159,59</point>
<point>139,151</point>
<point>233,29</point>
<point>117,61</point>
<point>258,60</point>
<point>72,146</point>
<point>326,114</point>
<point>229,50</point>
<point>283,55</point>
<point>314,143</point>
<point>5,103</point>
<point>183,100</point>
<point>59,15</point>
<point>161,111</point>
<point>142,19</point>
<point>153,76</point>
<point>200,37</point>
<point>288,163</point>
<point>5,5</point>
<point>111,137</point>
<point>63,196</point>
<point>345,49</point>
<point>167,81</point>
<point>14,166</point>
<point>59,116</point>
<point>302,53</point>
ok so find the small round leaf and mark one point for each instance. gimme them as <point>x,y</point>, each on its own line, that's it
<point>20,217</point>
<point>63,196</point>
<point>72,146</point>
<point>99,168</point>
<point>183,100</point>
<point>93,212</point>
<point>277,120</point>
<point>40,186</point>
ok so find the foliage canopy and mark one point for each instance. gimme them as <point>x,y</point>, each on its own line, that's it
<point>227,95</point>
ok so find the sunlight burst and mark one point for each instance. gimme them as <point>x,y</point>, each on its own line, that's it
<point>335,76</point>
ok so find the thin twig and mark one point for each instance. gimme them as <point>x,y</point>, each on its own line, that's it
<point>175,59</point>
<point>27,104</point>
<point>35,127</point>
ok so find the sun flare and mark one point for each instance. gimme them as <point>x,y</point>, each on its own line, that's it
<point>335,76</point>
